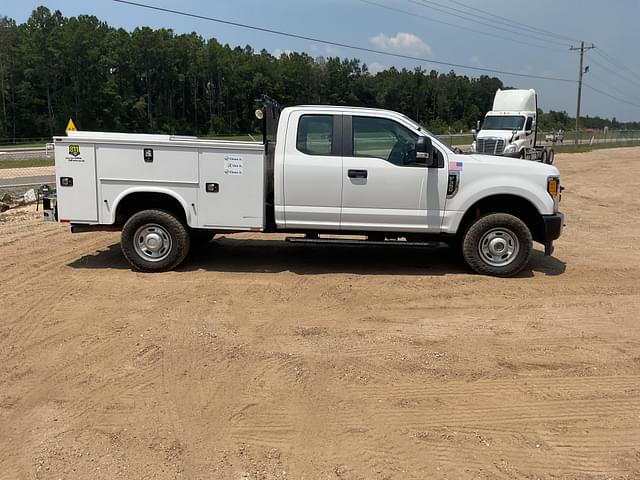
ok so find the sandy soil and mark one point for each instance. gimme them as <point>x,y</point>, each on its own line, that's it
<point>264,360</point>
<point>19,172</point>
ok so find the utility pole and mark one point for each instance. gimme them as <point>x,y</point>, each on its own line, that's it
<point>582,48</point>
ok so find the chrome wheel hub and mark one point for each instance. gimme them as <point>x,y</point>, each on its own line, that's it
<point>499,247</point>
<point>152,242</point>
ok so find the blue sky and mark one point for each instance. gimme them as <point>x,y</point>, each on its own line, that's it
<point>613,26</point>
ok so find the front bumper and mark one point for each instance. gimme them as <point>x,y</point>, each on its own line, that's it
<point>553,225</point>
<point>515,154</point>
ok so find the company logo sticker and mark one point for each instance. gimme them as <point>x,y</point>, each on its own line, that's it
<point>74,150</point>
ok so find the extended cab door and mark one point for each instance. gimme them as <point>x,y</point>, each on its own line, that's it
<point>312,175</point>
<point>384,188</point>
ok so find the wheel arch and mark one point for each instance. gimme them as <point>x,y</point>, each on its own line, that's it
<point>134,200</point>
<point>515,205</point>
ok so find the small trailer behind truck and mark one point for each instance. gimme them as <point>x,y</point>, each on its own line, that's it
<point>510,129</point>
<point>322,171</point>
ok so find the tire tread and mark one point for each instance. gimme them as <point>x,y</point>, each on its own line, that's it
<point>492,220</point>
<point>177,229</point>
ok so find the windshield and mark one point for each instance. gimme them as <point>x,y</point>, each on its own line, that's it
<point>507,122</point>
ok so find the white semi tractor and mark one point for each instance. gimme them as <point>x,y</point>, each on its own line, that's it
<point>325,173</point>
<point>510,129</point>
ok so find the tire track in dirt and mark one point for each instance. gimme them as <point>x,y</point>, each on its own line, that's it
<point>256,358</point>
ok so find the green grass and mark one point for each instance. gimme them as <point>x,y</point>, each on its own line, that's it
<point>22,145</point>
<point>587,148</point>
<point>455,140</point>
<point>32,162</point>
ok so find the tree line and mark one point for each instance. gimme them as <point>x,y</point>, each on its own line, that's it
<point>53,68</point>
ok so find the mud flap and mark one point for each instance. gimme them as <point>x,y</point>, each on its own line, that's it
<point>548,248</point>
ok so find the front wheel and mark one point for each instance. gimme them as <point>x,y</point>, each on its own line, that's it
<point>154,241</point>
<point>497,244</point>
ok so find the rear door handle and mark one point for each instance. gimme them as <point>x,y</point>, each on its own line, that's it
<point>357,173</point>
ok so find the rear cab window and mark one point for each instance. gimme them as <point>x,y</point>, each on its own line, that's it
<point>315,135</point>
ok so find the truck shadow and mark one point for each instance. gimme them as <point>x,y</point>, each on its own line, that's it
<point>274,256</point>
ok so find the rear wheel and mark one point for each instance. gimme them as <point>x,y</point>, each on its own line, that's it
<point>497,244</point>
<point>154,241</point>
<point>551,157</point>
<point>543,156</point>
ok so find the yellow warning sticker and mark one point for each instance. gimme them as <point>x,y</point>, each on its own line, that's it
<point>71,127</point>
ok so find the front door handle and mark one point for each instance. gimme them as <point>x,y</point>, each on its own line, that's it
<point>357,173</point>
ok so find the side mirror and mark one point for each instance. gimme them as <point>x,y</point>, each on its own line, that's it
<point>474,133</point>
<point>424,152</point>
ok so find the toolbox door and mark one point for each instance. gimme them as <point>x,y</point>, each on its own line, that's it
<point>76,182</point>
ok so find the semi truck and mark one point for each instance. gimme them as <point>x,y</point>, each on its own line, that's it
<point>510,129</point>
<point>323,174</point>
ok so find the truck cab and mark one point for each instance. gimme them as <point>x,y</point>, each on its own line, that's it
<point>355,169</point>
<point>509,129</point>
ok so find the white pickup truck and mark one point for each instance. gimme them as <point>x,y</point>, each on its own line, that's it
<point>322,171</point>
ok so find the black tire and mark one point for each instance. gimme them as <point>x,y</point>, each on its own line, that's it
<point>483,239</point>
<point>521,154</point>
<point>141,235</point>
<point>551,157</point>
<point>543,157</point>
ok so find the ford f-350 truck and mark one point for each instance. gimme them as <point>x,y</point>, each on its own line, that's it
<point>322,171</point>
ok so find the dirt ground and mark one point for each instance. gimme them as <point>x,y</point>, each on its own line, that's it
<point>265,360</point>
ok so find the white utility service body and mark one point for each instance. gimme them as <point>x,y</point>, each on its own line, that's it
<point>332,171</point>
<point>107,167</point>
<point>510,128</point>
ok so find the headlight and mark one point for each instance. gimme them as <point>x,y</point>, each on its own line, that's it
<point>512,147</point>
<point>553,187</point>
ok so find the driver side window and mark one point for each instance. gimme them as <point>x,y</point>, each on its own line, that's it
<point>385,139</point>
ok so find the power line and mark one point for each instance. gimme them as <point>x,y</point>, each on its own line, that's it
<point>474,18</point>
<point>510,21</point>
<point>623,100</point>
<point>615,63</point>
<point>343,45</point>
<point>609,86</point>
<point>441,22</point>
<point>616,73</point>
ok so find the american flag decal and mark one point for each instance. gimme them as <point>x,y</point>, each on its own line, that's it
<point>455,166</point>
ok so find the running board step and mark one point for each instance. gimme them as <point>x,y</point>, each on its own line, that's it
<point>339,241</point>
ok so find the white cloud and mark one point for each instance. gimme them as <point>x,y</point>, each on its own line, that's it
<point>278,52</point>
<point>406,43</point>
<point>325,50</point>
<point>375,67</point>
